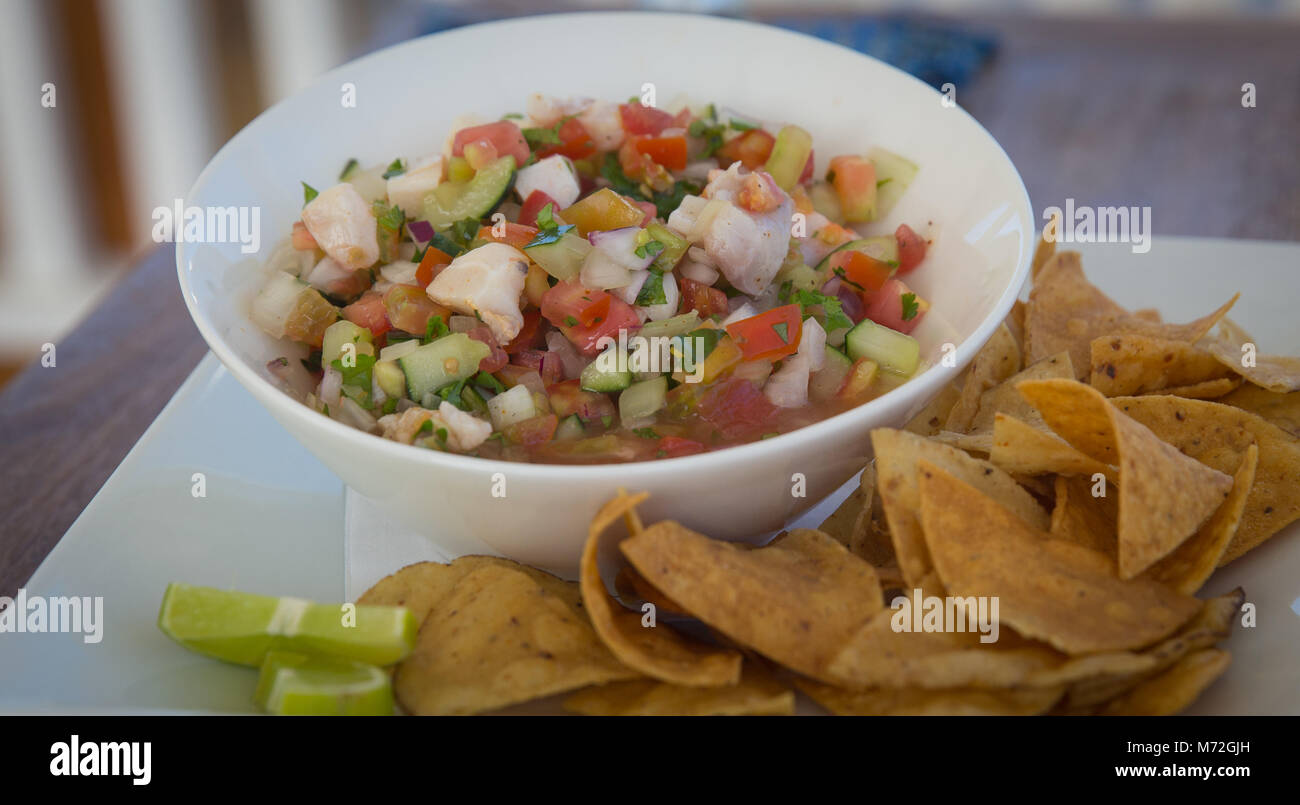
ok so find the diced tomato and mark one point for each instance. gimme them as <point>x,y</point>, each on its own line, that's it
<point>504,136</point>
<point>669,152</point>
<point>531,432</point>
<point>517,235</point>
<point>911,248</point>
<point>703,299</point>
<point>585,315</point>
<point>497,357</point>
<point>533,204</point>
<point>651,211</point>
<point>736,408</point>
<point>676,446</point>
<point>771,335</point>
<point>854,180</point>
<point>887,308</point>
<point>301,238</point>
<point>409,308</point>
<point>575,142</point>
<point>808,167</point>
<point>568,398</point>
<point>369,312</point>
<point>546,364</point>
<point>529,335</point>
<point>433,261</point>
<point>752,148</point>
<point>638,119</point>
<point>865,273</point>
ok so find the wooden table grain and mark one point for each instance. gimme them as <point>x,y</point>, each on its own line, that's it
<point>1105,113</point>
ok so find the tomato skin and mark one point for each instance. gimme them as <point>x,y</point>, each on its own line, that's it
<point>886,307</point>
<point>737,409</point>
<point>911,248</point>
<point>433,261</point>
<point>546,364</point>
<point>595,315</point>
<point>575,142</point>
<point>752,148</point>
<point>529,335</point>
<point>676,447</point>
<point>504,135</point>
<point>568,397</point>
<point>808,167</point>
<point>369,312</point>
<point>410,308</point>
<point>517,235</point>
<point>758,338</point>
<point>864,271</point>
<point>669,152</point>
<point>638,119</point>
<point>535,203</point>
<point>703,299</point>
<point>651,211</point>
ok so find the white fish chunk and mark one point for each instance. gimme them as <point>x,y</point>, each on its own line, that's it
<point>341,222</point>
<point>486,282</point>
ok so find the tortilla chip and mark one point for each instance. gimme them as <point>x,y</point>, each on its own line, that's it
<point>1174,690</point>
<point>1282,410</point>
<point>1132,364</point>
<point>1020,448</point>
<point>1005,398</point>
<point>977,444</point>
<point>1274,372</point>
<point>1083,519</point>
<point>850,524</point>
<point>1211,624</point>
<point>1015,322</point>
<point>1057,592</point>
<point>929,420</point>
<point>1046,248</point>
<point>656,651</point>
<point>795,600</point>
<point>923,702</point>
<point>500,637</point>
<point>1190,565</point>
<point>1164,496</point>
<point>1066,312</point>
<point>1149,314</point>
<point>897,453</point>
<point>1209,390</point>
<point>995,362</point>
<point>1219,436</point>
<point>629,585</point>
<point>757,693</point>
<point>424,585</point>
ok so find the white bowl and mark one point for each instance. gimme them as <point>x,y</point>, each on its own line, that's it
<point>967,192</point>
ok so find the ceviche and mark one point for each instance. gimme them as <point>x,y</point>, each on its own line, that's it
<point>599,282</point>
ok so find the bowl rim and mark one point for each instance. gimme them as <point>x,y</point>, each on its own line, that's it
<point>924,386</point>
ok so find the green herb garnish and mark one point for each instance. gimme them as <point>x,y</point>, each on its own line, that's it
<point>648,249</point>
<point>434,329</point>
<point>782,329</point>
<point>652,292</point>
<point>548,231</point>
<point>358,375</point>
<point>910,306</point>
<point>570,321</point>
<point>830,305</point>
<point>347,170</point>
<point>308,193</point>
<point>646,433</point>
<point>395,168</point>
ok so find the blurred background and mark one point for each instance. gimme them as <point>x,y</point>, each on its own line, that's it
<point>112,107</point>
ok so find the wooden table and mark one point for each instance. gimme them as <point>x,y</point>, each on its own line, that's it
<point>1102,112</point>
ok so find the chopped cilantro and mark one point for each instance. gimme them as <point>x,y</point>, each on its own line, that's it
<point>395,168</point>
<point>910,306</point>
<point>742,125</point>
<point>308,193</point>
<point>445,244</point>
<point>537,137</point>
<point>434,329</point>
<point>425,427</point>
<point>358,375</point>
<point>441,434</point>
<point>464,232</point>
<point>390,405</point>
<point>570,321</point>
<point>646,433</point>
<point>782,329</point>
<point>390,218</point>
<point>548,231</point>
<point>649,249</point>
<point>512,116</point>
<point>452,394</point>
<point>830,305</point>
<point>883,182</point>
<point>839,272</point>
<point>487,381</point>
<point>607,420</point>
<point>652,292</point>
<point>351,165</point>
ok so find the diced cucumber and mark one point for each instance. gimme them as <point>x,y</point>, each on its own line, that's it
<point>803,278</point>
<point>826,382</point>
<point>571,428</point>
<point>390,378</point>
<point>894,351</point>
<point>674,246</point>
<point>603,373</point>
<point>434,365</point>
<point>642,399</point>
<point>893,175</point>
<point>451,202</point>
<point>513,405</point>
<point>881,247</point>
<point>562,259</point>
<point>396,350</point>
<point>344,332</point>
<point>701,342</point>
<point>472,401</point>
<point>667,328</point>
<point>826,201</point>
<point>789,155</point>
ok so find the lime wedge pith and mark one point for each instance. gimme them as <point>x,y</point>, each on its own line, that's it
<point>294,684</point>
<point>243,627</point>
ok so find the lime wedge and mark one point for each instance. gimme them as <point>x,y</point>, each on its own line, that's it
<point>242,627</point>
<point>299,685</point>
